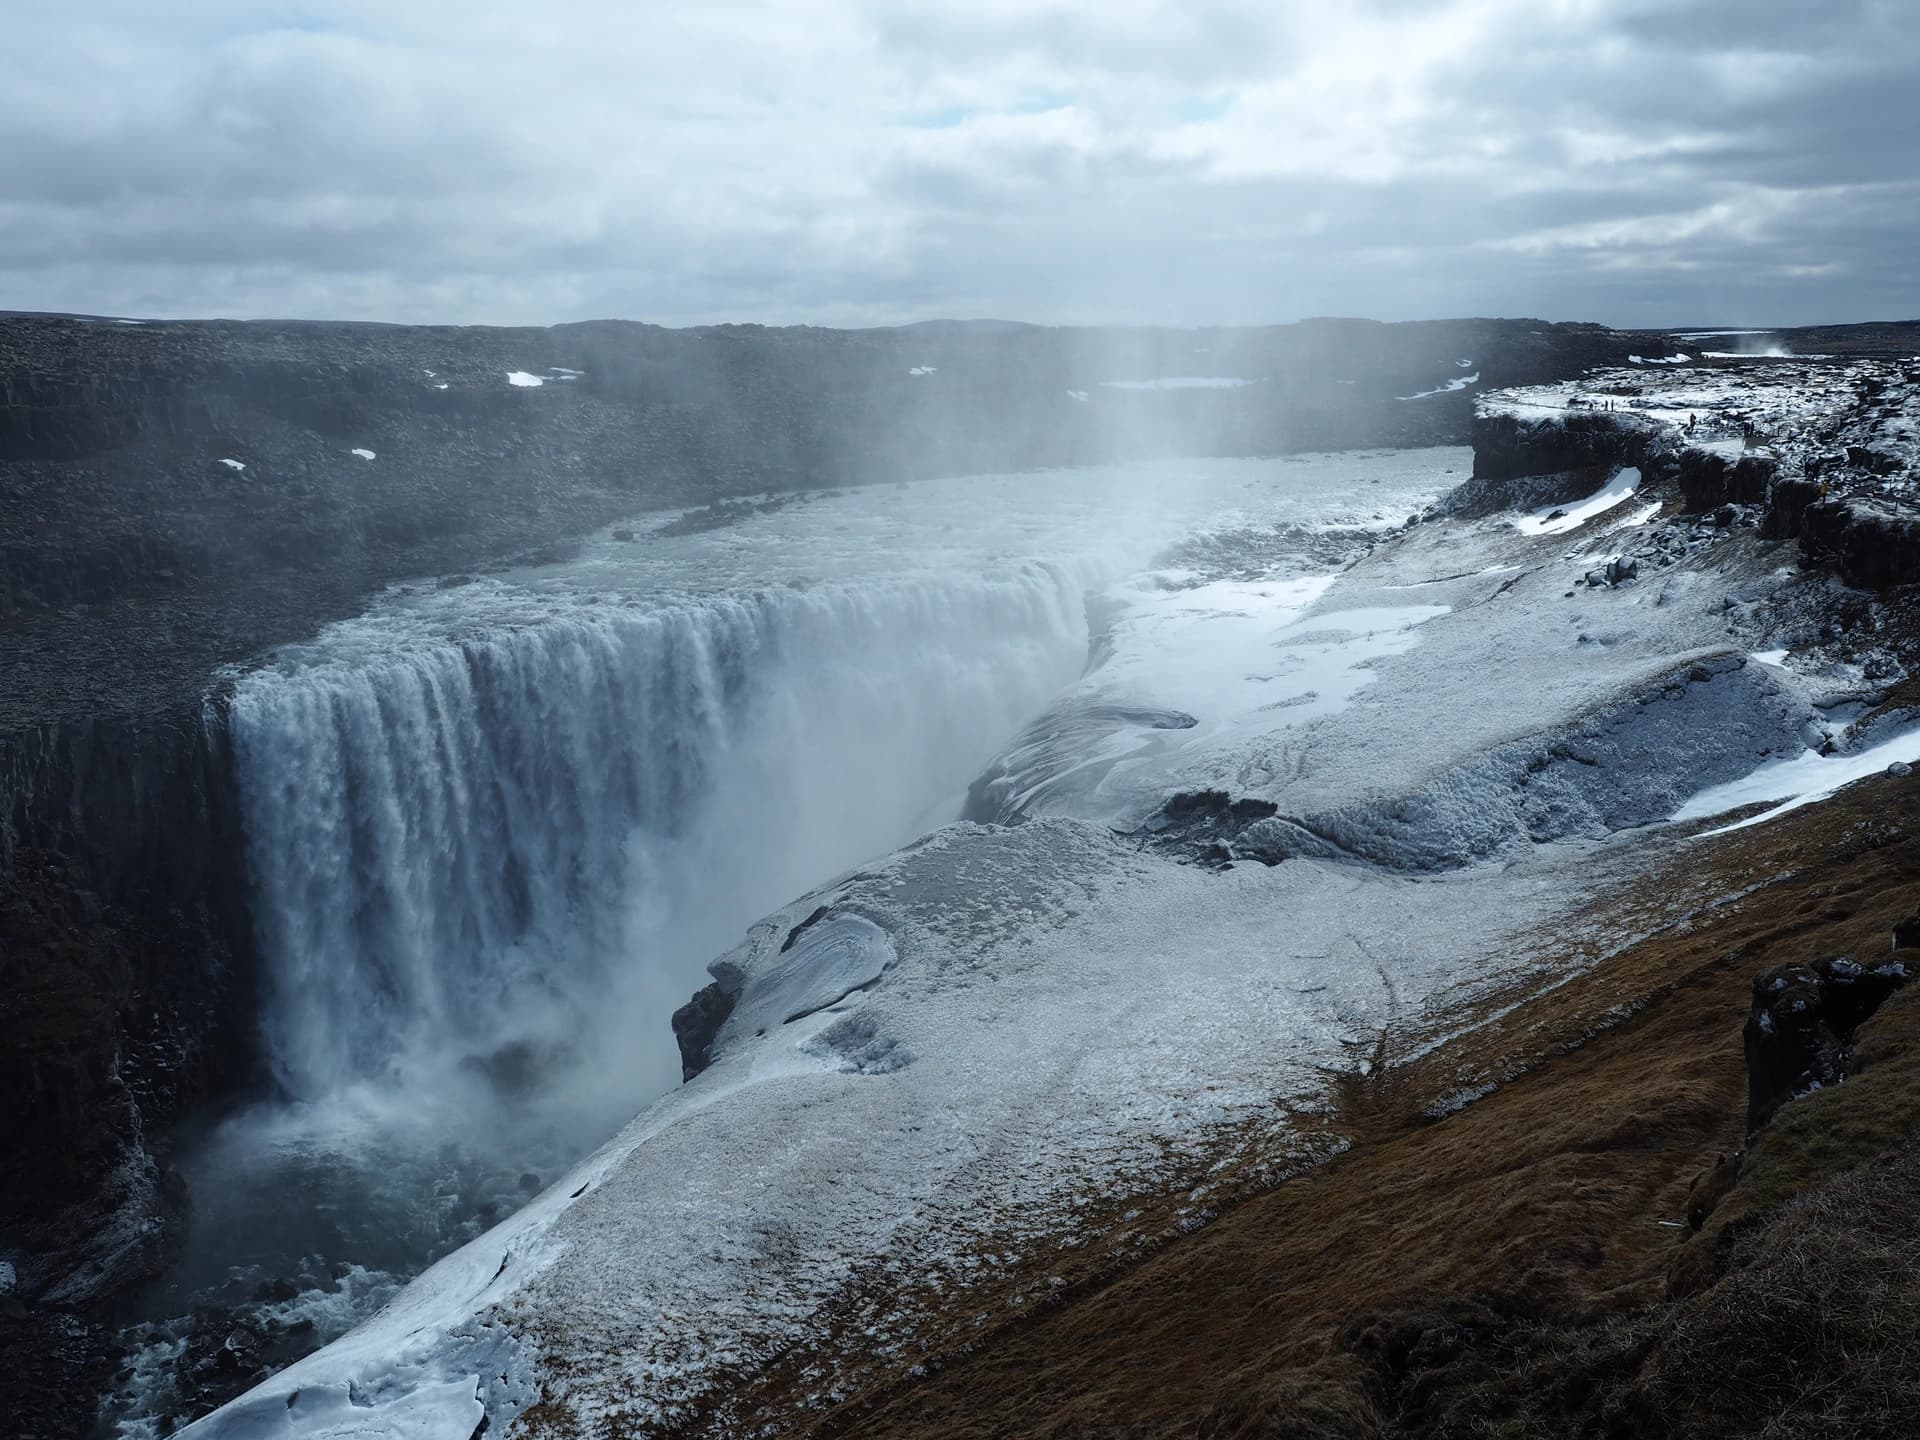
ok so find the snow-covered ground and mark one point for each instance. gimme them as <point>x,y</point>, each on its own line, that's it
<point>935,1059</point>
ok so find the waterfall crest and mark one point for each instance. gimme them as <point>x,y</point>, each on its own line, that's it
<point>484,855</point>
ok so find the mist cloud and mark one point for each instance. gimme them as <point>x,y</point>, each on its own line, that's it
<point>872,161</point>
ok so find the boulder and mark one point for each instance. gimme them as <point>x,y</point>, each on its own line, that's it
<point>1799,1031</point>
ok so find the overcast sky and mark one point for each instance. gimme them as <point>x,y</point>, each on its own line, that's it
<point>874,161</point>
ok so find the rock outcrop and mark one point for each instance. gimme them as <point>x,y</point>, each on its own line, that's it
<point>697,1023</point>
<point>1799,1032</point>
<point>1509,446</point>
<point>1709,479</point>
<point>1870,542</point>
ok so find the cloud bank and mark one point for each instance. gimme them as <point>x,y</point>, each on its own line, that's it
<point>876,161</point>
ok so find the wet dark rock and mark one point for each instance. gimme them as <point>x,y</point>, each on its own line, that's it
<point>1213,829</point>
<point>697,1023</point>
<point>1799,1031</point>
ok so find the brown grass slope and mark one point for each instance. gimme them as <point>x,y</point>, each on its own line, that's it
<point>1524,1267</point>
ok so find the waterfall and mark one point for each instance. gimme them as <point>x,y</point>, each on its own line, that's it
<point>514,852</point>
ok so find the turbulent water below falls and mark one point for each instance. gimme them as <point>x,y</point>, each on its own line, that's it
<point>498,828</point>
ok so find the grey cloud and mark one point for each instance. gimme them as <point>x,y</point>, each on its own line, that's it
<point>867,160</point>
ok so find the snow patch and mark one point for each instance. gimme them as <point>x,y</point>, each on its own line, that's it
<point>1459,382</point>
<point>1800,781</point>
<point>1558,519</point>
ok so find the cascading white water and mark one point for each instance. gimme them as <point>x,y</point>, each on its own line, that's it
<point>497,853</point>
